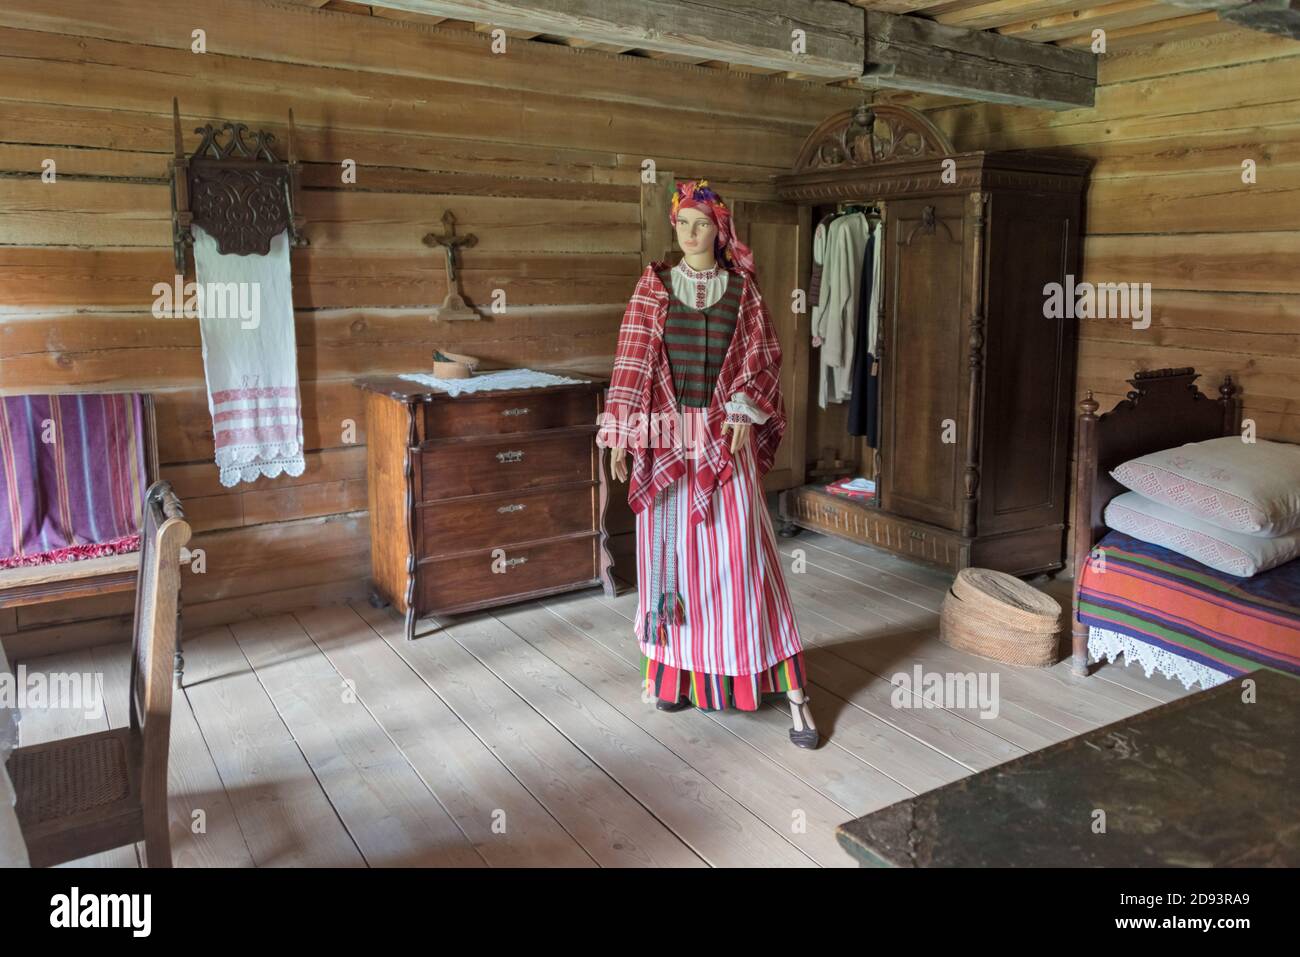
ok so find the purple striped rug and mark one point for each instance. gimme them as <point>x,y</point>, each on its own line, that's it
<point>72,477</point>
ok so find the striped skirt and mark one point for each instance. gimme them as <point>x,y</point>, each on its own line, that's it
<point>739,638</point>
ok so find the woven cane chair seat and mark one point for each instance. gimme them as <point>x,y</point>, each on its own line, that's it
<point>70,776</point>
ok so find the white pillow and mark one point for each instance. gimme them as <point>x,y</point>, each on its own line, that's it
<point>1229,552</point>
<point>1251,487</point>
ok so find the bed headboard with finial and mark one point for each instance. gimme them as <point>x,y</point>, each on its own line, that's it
<point>1164,409</point>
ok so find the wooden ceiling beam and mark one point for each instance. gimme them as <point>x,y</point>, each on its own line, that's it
<point>579,44</point>
<point>759,36</point>
<point>511,33</point>
<point>909,53</point>
<point>1205,23</point>
<point>987,14</point>
<point>839,41</point>
<point>1108,17</point>
<point>1281,17</point>
<point>343,6</point>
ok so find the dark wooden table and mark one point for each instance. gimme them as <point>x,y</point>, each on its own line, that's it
<point>1205,781</point>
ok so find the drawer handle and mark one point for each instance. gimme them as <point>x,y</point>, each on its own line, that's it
<point>916,534</point>
<point>516,561</point>
<point>524,411</point>
<point>515,456</point>
<point>511,508</point>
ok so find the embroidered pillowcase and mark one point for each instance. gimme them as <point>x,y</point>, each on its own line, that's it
<point>1252,488</point>
<point>1222,550</point>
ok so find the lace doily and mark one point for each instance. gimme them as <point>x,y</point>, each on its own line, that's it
<point>1107,645</point>
<point>502,379</point>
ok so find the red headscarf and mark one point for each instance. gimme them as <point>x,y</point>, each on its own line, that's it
<point>727,248</point>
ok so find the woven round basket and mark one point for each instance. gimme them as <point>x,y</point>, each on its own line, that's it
<point>998,616</point>
<point>451,365</point>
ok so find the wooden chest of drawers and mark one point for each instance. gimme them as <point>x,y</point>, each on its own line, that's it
<point>485,498</point>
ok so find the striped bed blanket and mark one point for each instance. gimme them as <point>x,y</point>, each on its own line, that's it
<point>1176,616</point>
<point>72,477</point>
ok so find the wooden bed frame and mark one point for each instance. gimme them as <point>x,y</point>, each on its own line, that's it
<point>1164,410</point>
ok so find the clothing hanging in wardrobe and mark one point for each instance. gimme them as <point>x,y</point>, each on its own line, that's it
<point>834,317</point>
<point>864,379</point>
<point>819,244</point>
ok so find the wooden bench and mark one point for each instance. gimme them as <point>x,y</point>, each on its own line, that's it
<point>39,584</point>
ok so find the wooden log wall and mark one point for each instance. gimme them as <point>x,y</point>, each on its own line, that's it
<point>538,151</point>
<point>1167,205</point>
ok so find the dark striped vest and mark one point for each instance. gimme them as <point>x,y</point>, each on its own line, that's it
<point>696,341</point>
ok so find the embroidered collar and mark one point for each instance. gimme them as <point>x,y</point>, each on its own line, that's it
<point>698,275</point>
<point>698,281</point>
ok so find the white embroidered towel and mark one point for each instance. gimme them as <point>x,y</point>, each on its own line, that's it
<point>251,360</point>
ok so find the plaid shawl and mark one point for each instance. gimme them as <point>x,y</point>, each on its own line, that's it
<point>641,395</point>
<point>72,477</point>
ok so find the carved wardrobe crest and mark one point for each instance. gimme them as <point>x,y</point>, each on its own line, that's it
<point>235,187</point>
<point>871,134</point>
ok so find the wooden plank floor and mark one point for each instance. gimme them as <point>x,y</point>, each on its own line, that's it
<point>522,738</point>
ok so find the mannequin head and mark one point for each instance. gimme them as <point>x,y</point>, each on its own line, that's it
<point>705,229</point>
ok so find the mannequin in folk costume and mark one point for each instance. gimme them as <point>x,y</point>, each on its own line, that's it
<point>696,394</point>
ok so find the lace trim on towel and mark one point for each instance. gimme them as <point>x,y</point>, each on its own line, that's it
<point>246,463</point>
<point>1107,645</point>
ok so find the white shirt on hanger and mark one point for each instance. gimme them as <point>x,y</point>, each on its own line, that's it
<point>835,319</point>
<point>873,314</point>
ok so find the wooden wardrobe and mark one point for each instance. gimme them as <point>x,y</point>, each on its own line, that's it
<point>976,385</point>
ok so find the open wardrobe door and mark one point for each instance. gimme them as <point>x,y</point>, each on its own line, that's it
<point>780,235</point>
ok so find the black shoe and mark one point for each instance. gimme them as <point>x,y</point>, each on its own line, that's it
<point>807,738</point>
<point>680,705</point>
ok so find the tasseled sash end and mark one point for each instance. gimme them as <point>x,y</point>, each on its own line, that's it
<point>671,609</point>
<point>672,605</point>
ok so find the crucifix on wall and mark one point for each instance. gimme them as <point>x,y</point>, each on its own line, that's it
<point>453,306</point>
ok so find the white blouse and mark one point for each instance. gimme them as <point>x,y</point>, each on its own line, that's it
<point>701,288</point>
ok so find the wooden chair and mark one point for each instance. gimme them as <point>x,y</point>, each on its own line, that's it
<point>82,795</point>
